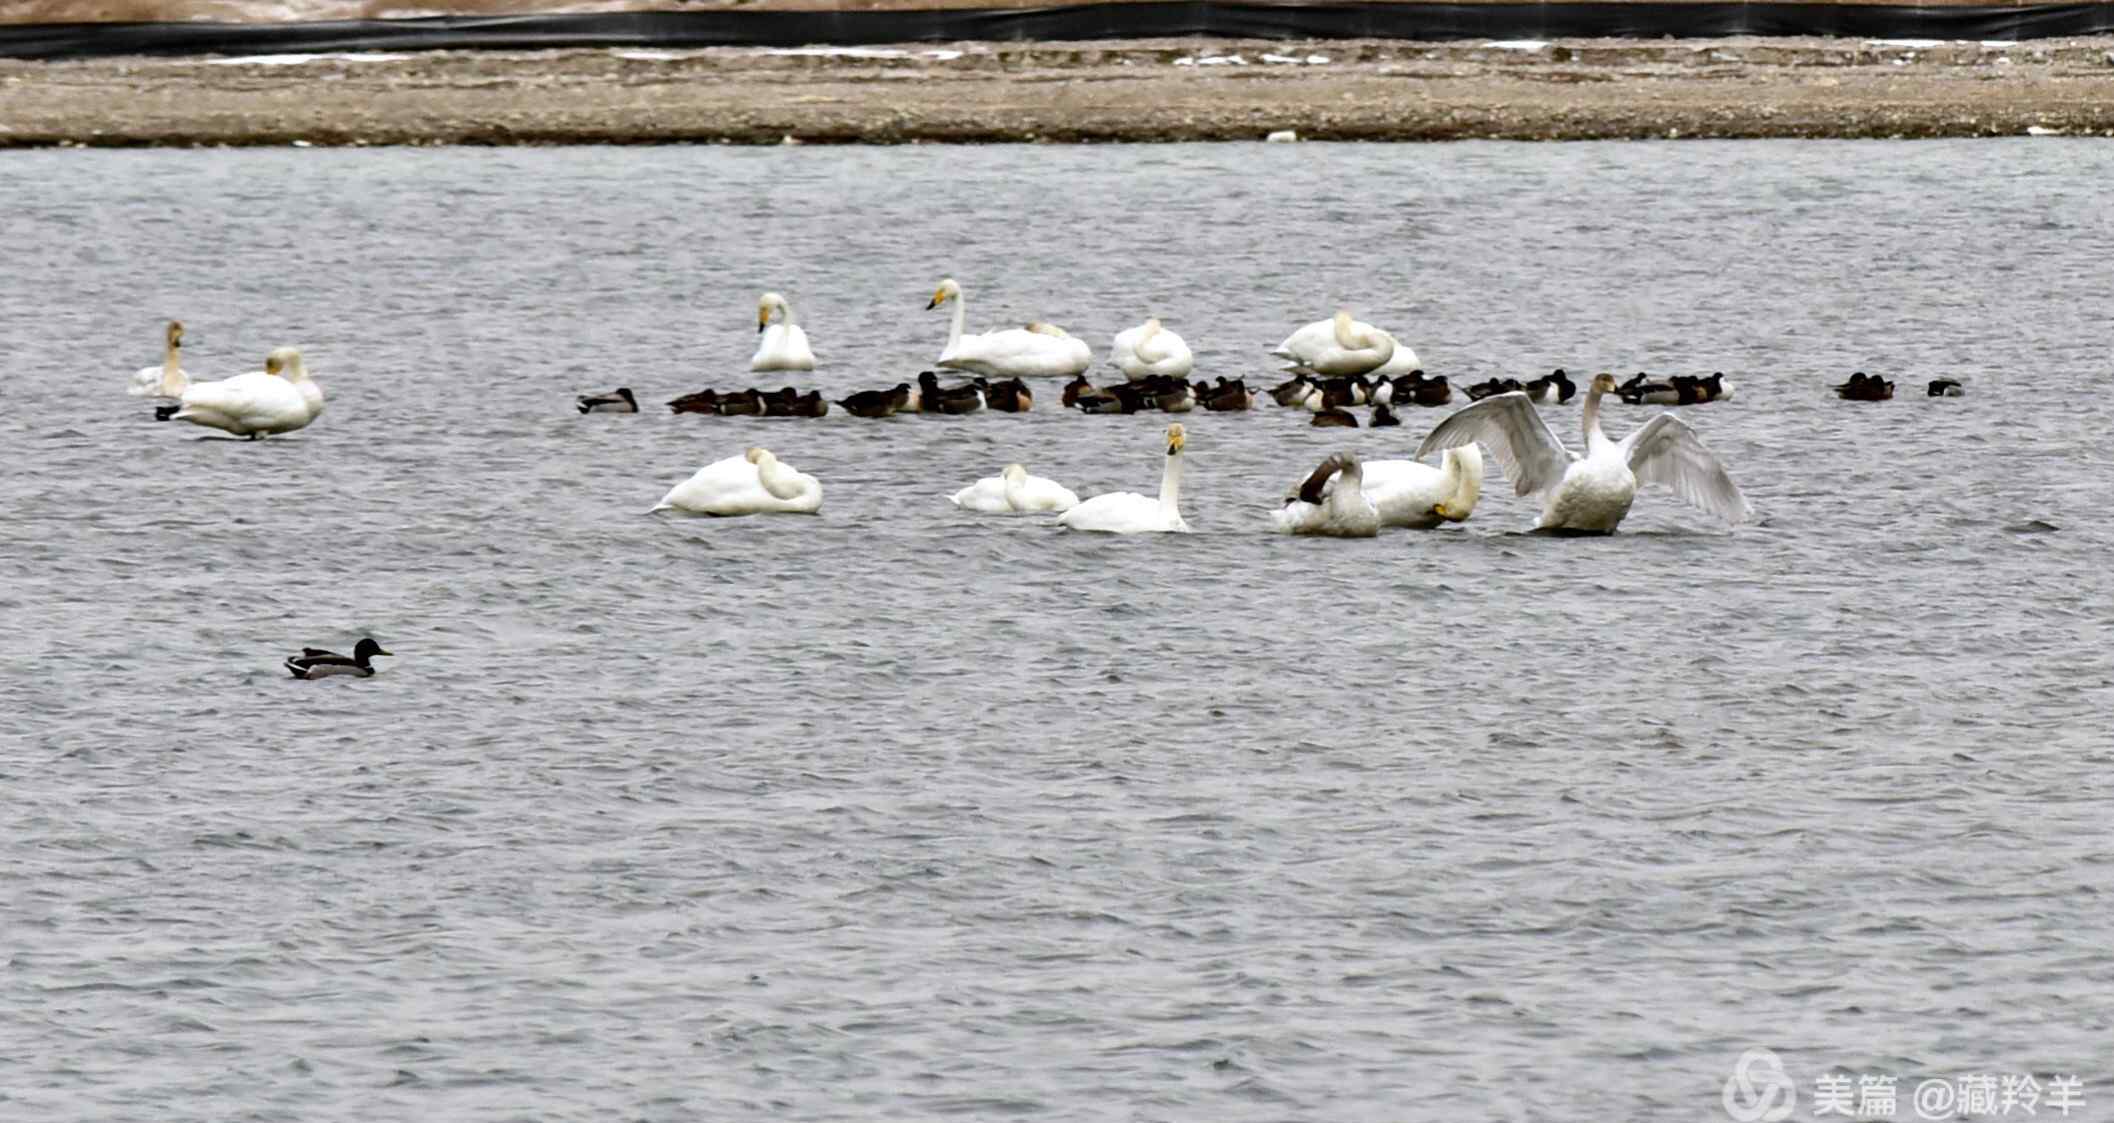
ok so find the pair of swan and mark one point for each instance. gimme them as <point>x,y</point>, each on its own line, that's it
<point>1590,493</point>
<point>1341,346</point>
<point>1014,490</point>
<point>1348,498</point>
<point>1150,351</point>
<point>278,399</point>
<point>754,483</point>
<point>1127,512</point>
<point>784,344</point>
<point>167,380</point>
<point>1039,350</point>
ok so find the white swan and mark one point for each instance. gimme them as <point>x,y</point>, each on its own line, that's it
<point>1331,502</point>
<point>1127,512</point>
<point>1414,494</point>
<point>279,399</point>
<point>754,483</point>
<point>1037,351</point>
<point>1014,490</point>
<point>1150,350</point>
<point>1338,346</point>
<point>167,380</point>
<point>784,345</point>
<point>1590,494</point>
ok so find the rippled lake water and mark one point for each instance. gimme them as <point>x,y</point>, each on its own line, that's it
<point>898,812</point>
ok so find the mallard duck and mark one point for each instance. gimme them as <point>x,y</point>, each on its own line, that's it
<point>314,662</point>
<point>618,400</point>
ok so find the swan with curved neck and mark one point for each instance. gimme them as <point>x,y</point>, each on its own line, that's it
<point>279,399</point>
<point>1590,493</point>
<point>167,380</point>
<point>1411,493</point>
<point>1127,512</point>
<point>754,483</point>
<point>1341,346</point>
<point>1014,490</point>
<point>784,344</point>
<point>1331,502</point>
<point>1150,351</point>
<point>1039,350</point>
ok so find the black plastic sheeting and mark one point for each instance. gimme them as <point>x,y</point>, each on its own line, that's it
<point>1080,22</point>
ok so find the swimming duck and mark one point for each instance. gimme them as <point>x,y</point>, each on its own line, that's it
<point>1227,397</point>
<point>1944,388</point>
<point>1484,389</point>
<point>1338,509</point>
<point>1427,390</point>
<point>1864,387</point>
<point>1335,418</point>
<point>1292,392</point>
<point>877,403</point>
<point>1127,512</point>
<point>1384,417</point>
<point>618,400</point>
<point>741,403</point>
<point>934,398</point>
<point>1009,395</point>
<point>1554,387</point>
<point>703,401</point>
<point>314,662</point>
<point>1590,494</point>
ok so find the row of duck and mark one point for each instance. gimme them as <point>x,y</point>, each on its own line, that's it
<point>1326,398</point>
<point>1587,492</point>
<point>1863,387</point>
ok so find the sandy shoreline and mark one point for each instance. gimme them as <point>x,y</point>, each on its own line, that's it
<point>1152,90</point>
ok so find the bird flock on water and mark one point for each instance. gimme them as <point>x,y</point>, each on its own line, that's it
<point>1334,364</point>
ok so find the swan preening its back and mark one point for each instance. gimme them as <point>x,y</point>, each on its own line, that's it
<point>784,344</point>
<point>754,483</point>
<point>167,380</point>
<point>1039,350</point>
<point>1127,512</point>
<point>1591,493</point>
<point>1014,490</point>
<point>1411,493</point>
<point>1150,351</point>
<point>1344,346</point>
<point>1331,502</point>
<point>278,399</point>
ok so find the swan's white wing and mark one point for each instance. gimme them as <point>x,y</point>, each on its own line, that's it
<point>1666,451</point>
<point>1528,452</point>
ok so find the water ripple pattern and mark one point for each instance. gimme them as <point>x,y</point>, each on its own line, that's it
<point>901,813</point>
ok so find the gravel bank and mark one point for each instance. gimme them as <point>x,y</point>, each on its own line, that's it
<point>1129,91</point>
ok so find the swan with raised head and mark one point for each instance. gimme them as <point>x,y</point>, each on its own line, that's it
<point>1339,346</point>
<point>1014,490</point>
<point>167,380</point>
<point>1414,494</point>
<point>1331,502</point>
<point>278,399</point>
<point>1039,350</point>
<point>1149,351</point>
<point>1127,512</point>
<point>754,483</point>
<point>784,344</point>
<point>1590,494</point>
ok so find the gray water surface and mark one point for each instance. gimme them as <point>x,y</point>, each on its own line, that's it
<point>898,812</point>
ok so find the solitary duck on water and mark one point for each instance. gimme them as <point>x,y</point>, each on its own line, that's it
<point>1944,388</point>
<point>314,662</point>
<point>1590,494</point>
<point>618,400</point>
<point>1864,387</point>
